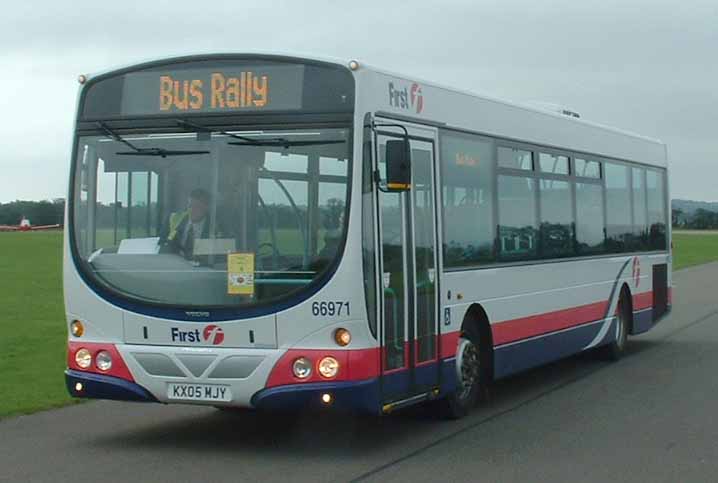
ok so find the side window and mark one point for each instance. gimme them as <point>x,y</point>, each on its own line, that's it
<point>619,228</point>
<point>587,168</point>
<point>589,218</point>
<point>640,221</point>
<point>517,218</point>
<point>515,158</point>
<point>656,191</point>
<point>555,164</point>
<point>467,173</point>
<point>556,218</point>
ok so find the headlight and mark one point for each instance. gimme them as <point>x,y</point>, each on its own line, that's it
<point>342,337</point>
<point>302,368</point>
<point>76,328</point>
<point>328,367</point>
<point>103,361</point>
<point>83,358</point>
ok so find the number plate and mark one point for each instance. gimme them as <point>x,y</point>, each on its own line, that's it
<point>198,392</point>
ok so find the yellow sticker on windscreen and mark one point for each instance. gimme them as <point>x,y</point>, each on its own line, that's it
<point>240,273</point>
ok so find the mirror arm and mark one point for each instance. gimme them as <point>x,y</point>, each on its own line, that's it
<point>375,125</point>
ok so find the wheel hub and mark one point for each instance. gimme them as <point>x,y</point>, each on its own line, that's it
<point>467,367</point>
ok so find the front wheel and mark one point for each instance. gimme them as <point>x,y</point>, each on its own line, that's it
<point>468,379</point>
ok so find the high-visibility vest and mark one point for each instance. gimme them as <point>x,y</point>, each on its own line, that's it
<point>176,219</point>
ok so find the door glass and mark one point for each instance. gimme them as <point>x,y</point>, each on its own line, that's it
<point>422,194</point>
<point>392,223</point>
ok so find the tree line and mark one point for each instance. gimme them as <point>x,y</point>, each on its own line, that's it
<point>700,219</point>
<point>46,212</point>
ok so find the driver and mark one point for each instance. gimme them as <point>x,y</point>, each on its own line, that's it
<point>187,226</point>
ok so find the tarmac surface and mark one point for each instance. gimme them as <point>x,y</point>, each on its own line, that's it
<point>652,416</point>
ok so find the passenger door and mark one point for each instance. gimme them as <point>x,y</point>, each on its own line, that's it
<point>408,272</point>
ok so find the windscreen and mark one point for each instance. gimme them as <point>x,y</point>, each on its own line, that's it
<point>201,217</point>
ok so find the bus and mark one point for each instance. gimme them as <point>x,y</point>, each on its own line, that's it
<point>281,233</point>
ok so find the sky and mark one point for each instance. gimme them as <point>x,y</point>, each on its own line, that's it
<point>645,66</point>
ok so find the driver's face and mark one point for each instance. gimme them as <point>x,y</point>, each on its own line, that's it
<point>197,210</point>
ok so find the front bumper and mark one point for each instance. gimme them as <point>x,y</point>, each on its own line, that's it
<point>360,396</point>
<point>97,386</point>
<point>352,396</point>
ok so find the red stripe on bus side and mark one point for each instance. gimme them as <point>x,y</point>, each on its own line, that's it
<point>642,301</point>
<point>525,327</point>
<point>449,342</point>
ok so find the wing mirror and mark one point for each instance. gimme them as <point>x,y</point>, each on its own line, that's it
<point>398,165</point>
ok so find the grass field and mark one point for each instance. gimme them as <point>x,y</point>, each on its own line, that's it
<point>32,328</point>
<point>693,249</point>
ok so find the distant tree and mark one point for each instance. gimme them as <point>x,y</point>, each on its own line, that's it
<point>677,217</point>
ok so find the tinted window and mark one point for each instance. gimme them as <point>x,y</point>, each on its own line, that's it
<point>517,218</point>
<point>550,163</point>
<point>618,207</point>
<point>655,187</point>
<point>467,168</point>
<point>589,218</point>
<point>587,169</point>
<point>556,219</point>
<point>515,158</point>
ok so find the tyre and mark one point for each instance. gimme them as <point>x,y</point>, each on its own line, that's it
<point>616,348</point>
<point>468,378</point>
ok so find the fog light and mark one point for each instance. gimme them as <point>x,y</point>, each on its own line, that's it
<point>328,367</point>
<point>103,361</point>
<point>78,387</point>
<point>342,337</point>
<point>76,328</point>
<point>302,368</point>
<point>327,398</point>
<point>83,358</point>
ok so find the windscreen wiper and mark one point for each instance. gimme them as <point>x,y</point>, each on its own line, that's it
<point>136,151</point>
<point>246,141</point>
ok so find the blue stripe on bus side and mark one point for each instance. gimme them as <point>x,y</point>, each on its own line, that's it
<point>516,357</point>
<point>642,321</point>
<point>512,358</point>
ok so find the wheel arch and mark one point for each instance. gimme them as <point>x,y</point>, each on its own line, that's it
<point>476,320</point>
<point>626,294</point>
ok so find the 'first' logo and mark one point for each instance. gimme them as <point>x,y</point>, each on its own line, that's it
<point>213,334</point>
<point>409,98</point>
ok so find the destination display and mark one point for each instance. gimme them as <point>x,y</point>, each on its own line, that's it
<point>219,87</point>
<point>259,88</point>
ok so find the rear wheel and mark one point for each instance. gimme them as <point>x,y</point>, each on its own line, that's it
<point>614,350</point>
<point>468,378</point>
